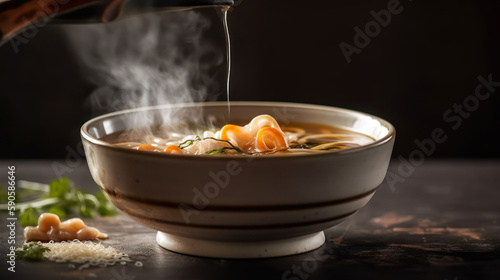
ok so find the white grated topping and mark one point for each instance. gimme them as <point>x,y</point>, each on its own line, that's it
<point>85,253</point>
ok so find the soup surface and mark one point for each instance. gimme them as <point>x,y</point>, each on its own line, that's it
<point>261,136</point>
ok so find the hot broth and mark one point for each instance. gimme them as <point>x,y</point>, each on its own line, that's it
<point>262,136</point>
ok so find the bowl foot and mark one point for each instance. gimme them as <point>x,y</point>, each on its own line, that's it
<point>240,250</point>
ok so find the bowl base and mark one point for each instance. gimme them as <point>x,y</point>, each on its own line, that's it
<point>240,250</point>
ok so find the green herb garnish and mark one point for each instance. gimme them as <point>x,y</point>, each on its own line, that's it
<point>216,151</point>
<point>3,195</point>
<point>29,217</point>
<point>188,143</point>
<point>32,251</point>
<point>60,197</point>
<point>219,151</point>
<point>105,207</point>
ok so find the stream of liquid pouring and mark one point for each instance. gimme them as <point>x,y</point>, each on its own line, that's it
<point>228,59</point>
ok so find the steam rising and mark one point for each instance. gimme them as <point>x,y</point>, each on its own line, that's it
<point>149,60</point>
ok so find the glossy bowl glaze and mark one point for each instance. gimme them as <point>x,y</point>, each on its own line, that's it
<point>241,206</point>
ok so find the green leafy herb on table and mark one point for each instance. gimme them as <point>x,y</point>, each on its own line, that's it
<point>3,195</point>
<point>105,207</point>
<point>60,197</point>
<point>32,251</point>
<point>29,217</point>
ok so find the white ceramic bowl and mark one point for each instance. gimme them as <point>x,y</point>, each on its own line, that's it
<point>241,206</point>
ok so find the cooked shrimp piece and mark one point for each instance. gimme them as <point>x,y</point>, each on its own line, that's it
<point>34,234</point>
<point>90,233</point>
<point>270,139</point>
<point>238,136</point>
<point>172,149</point>
<point>46,221</point>
<point>262,134</point>
<point>50,228</point>
<point>72,225</point>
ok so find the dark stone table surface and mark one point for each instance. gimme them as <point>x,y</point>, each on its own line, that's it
<point>440,222</point>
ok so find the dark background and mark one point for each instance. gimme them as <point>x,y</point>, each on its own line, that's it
<point>427,59</point>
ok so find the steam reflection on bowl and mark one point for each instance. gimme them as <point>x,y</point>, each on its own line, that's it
<point>241,206</point>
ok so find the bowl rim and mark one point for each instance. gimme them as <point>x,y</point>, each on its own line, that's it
<point>387,138</point>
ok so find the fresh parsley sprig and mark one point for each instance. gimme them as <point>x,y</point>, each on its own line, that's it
<point>62,198</point>
<point>32,251</point>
